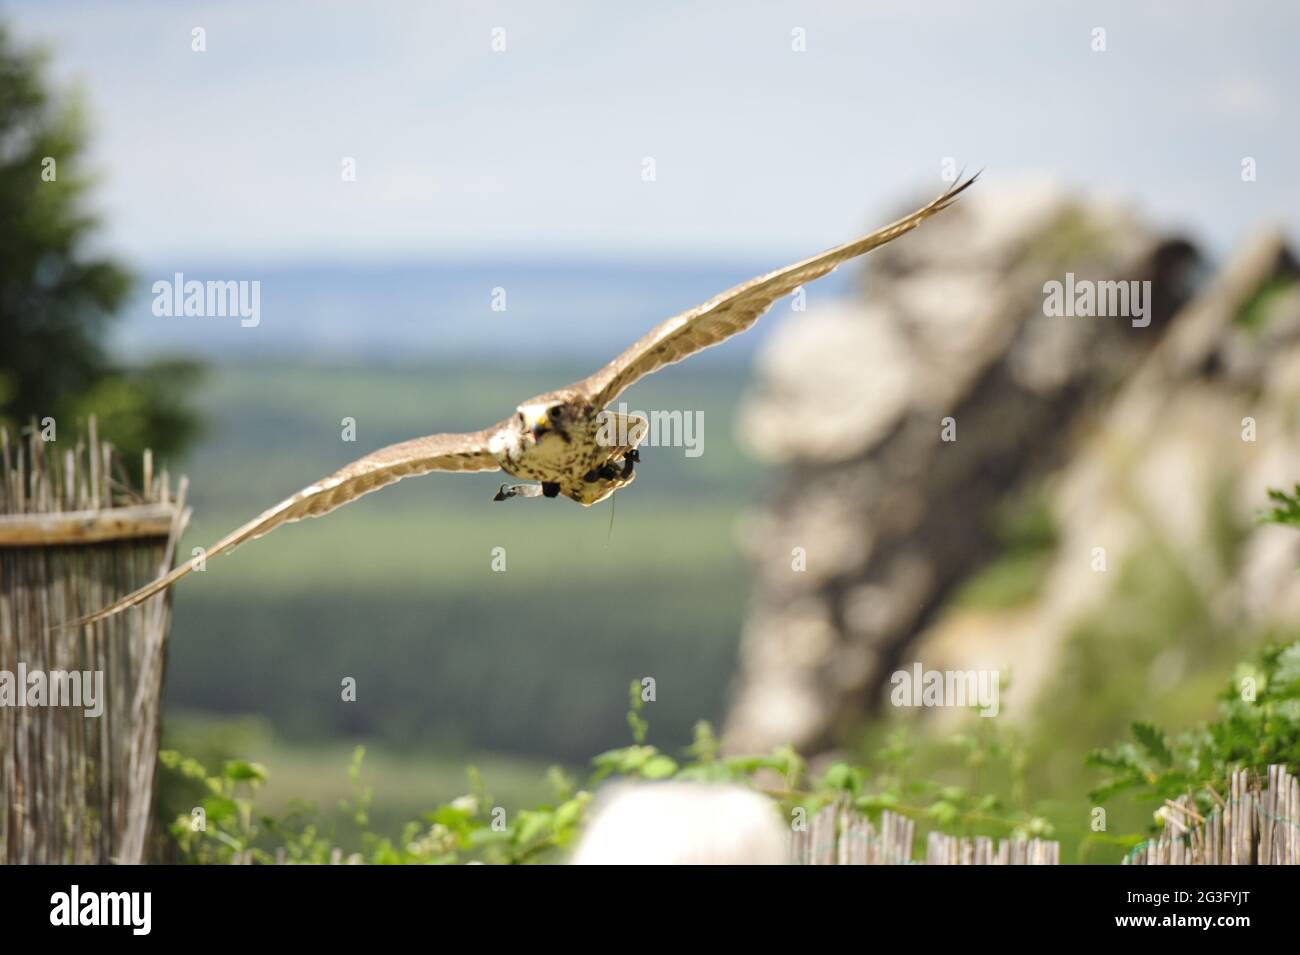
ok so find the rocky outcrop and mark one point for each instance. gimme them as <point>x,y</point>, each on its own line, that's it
<point>902,422</point>
<point>1180,458</point>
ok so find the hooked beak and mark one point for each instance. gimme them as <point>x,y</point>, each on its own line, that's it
<point>541,425</point>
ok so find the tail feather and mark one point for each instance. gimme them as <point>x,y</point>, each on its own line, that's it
<point>254,528</point>
<point>137,596</point>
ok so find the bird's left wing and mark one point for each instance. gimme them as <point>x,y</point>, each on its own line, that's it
<point>736,310</point>
<point>438,452</point>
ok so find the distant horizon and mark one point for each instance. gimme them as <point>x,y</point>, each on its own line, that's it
<point>554,309</point>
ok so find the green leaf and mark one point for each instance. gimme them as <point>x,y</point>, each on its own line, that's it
<point>943,812</point>
<point>238,770</point>
<point>1112,788</point>
<point>451,817</point>
<point>570,813</point>
<point>532,826</point>
<point>704,746</point>
<point>876,801</point>
<point>843,777</point>
<point>746,765</point>
<point>219,809</point>
<point>1153,743</point>
<point>1105,759</point>
<point>658,767</point>
<point>561,783</point>
<point>1286,508</point>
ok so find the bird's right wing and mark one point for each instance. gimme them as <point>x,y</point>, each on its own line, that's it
<point>438,452</point>
<point>735,310</point>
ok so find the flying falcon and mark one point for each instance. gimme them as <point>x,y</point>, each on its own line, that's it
<point>564,439</point>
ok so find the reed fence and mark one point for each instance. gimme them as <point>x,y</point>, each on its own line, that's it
<point>838,835</point>
<point>1257,822</point>
<point>74,535</point>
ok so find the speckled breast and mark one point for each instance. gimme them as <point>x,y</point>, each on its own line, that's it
<point>556,459</point>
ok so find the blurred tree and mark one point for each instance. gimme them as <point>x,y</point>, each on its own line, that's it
<point>56,301</point>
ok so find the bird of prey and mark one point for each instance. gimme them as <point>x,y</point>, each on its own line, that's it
<point>563,439</point>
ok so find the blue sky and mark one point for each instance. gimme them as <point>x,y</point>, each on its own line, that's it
<point>759,150</point>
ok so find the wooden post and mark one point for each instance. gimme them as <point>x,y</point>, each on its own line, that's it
<point>76,787</point>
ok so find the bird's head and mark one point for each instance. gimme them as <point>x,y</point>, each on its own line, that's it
<point>537,419</point>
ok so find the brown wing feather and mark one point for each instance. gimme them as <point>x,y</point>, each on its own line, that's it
<point>438,452</point>
<point>736,310</point>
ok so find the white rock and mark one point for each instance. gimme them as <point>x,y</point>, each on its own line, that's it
<point>675,823</point>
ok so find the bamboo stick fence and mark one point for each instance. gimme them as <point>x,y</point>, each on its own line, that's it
<point>837,835</point>
<point>73,537</point>
<point>1257,824</point>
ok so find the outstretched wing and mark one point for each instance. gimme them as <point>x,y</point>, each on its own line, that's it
<point>438,452</point>
<point>736,310</point>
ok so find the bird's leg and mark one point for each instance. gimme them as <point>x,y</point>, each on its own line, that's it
<point>609,472</point>
<point>630,460</point>
<point>508,491</point>
<point>550,489</point>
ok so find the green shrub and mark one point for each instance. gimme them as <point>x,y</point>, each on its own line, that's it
<point>471,828</point>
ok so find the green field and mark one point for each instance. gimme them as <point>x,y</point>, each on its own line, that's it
<point>398,590</point>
